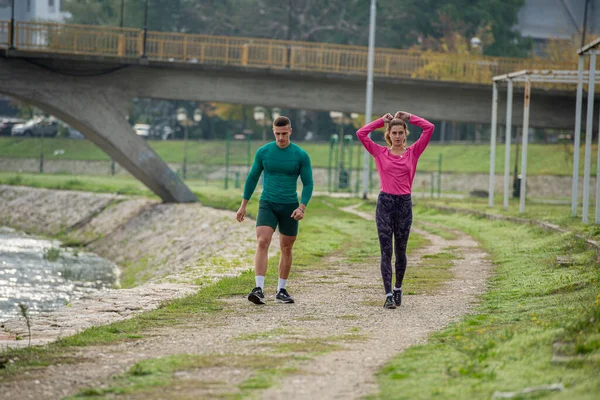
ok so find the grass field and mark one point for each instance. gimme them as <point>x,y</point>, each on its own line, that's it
<point>553,159</point>
<point>537,324</point>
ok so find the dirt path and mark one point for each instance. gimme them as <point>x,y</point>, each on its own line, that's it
<point>339,308</point>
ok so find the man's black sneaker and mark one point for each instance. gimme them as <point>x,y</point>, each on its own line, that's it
<point>283,297</point>
<point>398,297</point>
<point>389,302</point>
<point>256,296</point>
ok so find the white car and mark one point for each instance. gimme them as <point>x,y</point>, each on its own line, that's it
<point>36,127</point>
<point>142,130</point>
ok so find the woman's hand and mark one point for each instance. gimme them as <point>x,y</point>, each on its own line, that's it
<point>402,115</point>
<point>387,118</point>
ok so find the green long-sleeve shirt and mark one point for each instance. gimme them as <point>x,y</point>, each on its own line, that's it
<point>282,167</point>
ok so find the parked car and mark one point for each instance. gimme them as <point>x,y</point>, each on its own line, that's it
<point>75,134</point>
<point>36,127</point>
<point>6,125</point>
<point>142,130</point>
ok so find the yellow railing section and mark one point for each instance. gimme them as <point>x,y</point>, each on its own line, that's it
<point>260,53</point>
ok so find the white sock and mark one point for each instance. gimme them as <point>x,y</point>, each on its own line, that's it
<point>260,281</point>
<point>397,289</point>
<point>389,295</point>
<point>281,284</point>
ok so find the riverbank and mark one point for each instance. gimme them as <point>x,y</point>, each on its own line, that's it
<point>164,251</point>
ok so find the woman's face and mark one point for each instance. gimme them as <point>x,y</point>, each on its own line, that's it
<point>398,135</point>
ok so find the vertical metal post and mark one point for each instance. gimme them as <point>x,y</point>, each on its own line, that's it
<point>431,186</point>
<point>589,121</point>
<point>42,153</point>
<point>507,140</point>
<point>112,168</point>
<point>336,171</point>
<point>492,144</point>
<point>145,29</point>
<point>331,146</point>
<point>185,149</point>
<point>350,151</point>
<point>577,137</point>
<point>597,219</point>
<point>340,158</point>
<point>358,148</point>
<point>122,12</point>
<point>369,105</point>
<point>525,134</point>
<point>440,176</point>
<point>12,26</point>
<point>227,161</point>
<point>249,155</point>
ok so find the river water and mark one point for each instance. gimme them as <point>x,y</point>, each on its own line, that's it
<point>44,276</point>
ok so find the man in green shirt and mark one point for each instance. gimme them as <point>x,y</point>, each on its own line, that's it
<point>282,162</point>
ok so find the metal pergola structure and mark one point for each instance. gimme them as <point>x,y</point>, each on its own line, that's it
<point>546,76</point>
<point>590,49</point>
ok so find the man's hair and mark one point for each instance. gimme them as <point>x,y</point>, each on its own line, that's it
<point>282,121</point>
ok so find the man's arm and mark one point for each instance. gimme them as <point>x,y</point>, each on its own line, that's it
<point>250,186</point>
<point>306,176</point>
<point>253,176</point>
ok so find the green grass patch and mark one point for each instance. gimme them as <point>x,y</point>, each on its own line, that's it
<point>88,183</point>
<point>430,274</point>
<point>558,214</point>
<point>523,322</point>
<point>51,254</point>
<point>159,372</point>
<point>439,231</point>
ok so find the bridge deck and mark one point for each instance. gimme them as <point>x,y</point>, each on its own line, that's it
<point>127,43</point>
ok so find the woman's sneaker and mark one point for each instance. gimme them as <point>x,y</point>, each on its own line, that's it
<point>256,296</point>
<point>389,302</point>
<point>398,297</point>
<point>283,297</point>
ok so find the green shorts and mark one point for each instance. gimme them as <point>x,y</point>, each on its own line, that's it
<point>274,214</point>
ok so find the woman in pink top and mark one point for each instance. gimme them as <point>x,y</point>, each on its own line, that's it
<point>396,165</point>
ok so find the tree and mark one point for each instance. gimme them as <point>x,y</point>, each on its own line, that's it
<point>424,23</point>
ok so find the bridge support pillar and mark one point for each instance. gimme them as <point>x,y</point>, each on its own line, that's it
<point>97,108</point>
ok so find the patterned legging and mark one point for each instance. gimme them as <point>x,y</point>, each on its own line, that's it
<point>394,218</point>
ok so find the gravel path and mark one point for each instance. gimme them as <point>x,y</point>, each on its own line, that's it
<point>339,308</point>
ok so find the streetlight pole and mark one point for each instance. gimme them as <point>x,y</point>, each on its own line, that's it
<point>12,26</point>
<point>145,29</point>
<point>182,118</point>
<point>122,11</point>
<point>369,105</point>
<point>185,149</point>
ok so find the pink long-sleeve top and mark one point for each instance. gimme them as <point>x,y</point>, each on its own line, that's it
<point>396,173</point>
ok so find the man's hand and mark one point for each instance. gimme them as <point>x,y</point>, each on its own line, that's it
<point>387,118</point>
<point>402,115</point>
<point>298,214</point>
<point>241,213</point>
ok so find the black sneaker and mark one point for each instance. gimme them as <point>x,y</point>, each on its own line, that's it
<point>398,297</point>
<point>256,296</point>
<point>284,297</point>
<point>389,302</point>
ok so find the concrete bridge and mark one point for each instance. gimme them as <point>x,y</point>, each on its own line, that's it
<point>87,76</point>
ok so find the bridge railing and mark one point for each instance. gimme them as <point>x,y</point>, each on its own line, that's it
<point>261,53</point>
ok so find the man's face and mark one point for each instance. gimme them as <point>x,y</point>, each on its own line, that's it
<point>282,135</point>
